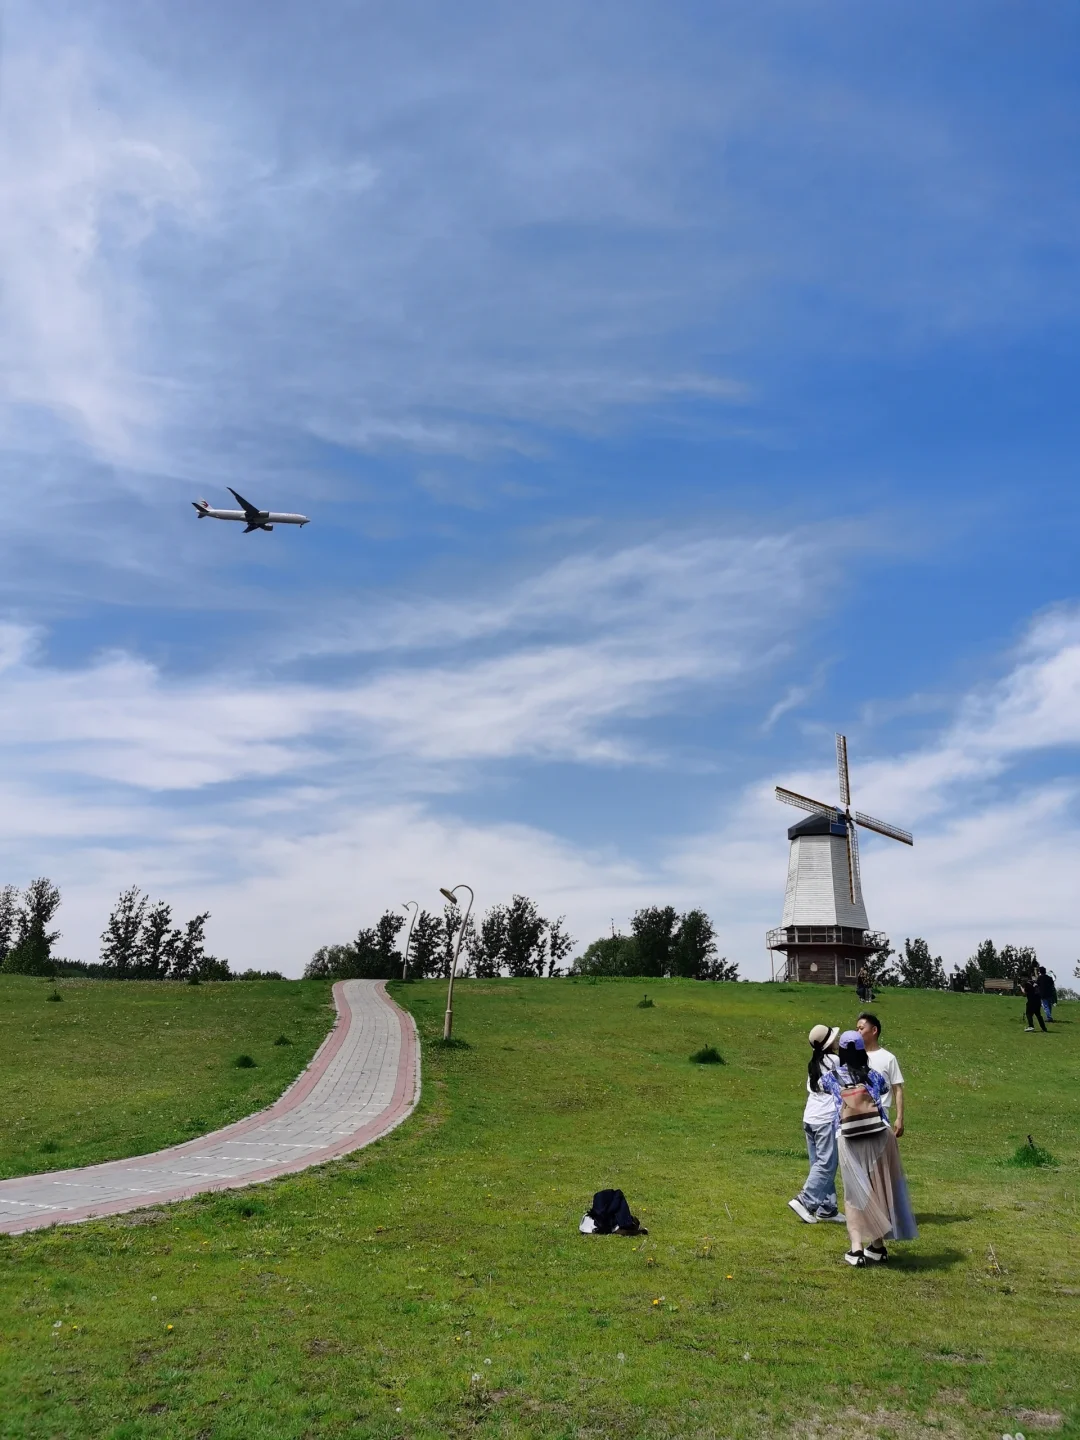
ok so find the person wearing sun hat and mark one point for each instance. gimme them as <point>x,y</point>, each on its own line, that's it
<point>875,1191</point>
<point>817,1198</point>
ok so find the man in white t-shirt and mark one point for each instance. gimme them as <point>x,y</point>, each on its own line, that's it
<point>886,1063</point>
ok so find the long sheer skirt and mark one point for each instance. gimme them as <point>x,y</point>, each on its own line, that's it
<point>875,1192</point>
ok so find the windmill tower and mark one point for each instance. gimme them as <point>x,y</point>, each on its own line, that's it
<point>825,935</point>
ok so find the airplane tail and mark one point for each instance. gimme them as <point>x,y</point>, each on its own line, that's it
<point>202,506</point>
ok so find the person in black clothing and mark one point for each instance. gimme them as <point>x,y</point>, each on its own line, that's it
<point>1034,1004</point>
<point>1047,992</point>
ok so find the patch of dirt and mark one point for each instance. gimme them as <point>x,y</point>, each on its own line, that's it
<point>1040,1419</point>
<point>141,1217</point>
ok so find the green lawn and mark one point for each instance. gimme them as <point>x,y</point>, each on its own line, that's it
<point>435,1284</point>
<point>120,1069</point>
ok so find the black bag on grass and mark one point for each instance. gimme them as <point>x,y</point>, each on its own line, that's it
<point>610,1215</point>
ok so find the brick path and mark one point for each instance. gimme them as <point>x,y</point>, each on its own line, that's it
<point>364,1080</point>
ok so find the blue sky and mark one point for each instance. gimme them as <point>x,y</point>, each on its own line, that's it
<point>669,385</point>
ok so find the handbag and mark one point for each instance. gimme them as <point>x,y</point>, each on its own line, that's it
<point>859,1113</point>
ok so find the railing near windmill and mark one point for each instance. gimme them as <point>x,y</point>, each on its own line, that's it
<point>846,935</point>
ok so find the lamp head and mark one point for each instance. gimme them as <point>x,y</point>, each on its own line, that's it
<point>449,894</point>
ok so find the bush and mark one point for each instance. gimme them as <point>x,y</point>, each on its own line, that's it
<point>1032,1156</point>
<point>244,1062</point>
<point>283,1040</point>
<point>645,1004</point>
<point>55,995</point>
<point>707,1055</point>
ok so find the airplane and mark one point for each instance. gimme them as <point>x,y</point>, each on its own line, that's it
<point>255,518</point>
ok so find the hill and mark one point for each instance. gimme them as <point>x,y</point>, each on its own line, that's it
<point>436,1284</point>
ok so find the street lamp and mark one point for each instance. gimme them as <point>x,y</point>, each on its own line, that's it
<point>451,895</point>
<point>408,938</point>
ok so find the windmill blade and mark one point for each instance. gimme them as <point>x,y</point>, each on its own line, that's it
<point>854,874</point>
<point>803,802</point>
<point>882,827</point>
<point>842,770</point>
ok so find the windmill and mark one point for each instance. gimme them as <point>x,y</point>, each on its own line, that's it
<point>825,933</point>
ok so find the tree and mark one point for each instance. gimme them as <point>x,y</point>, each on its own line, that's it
<point>879,968</point>
<point>9,913</point>
<point>694,946</point>
<point>427,944</point>
<point>610,955</point>
<point>525,932</point>
<point>489,945</point>
<point>31,954</point>
<point>189,952</point>
<point>120,940</point>
<point>375,955</point>
<point>722,969</point>
<point>330,962</point>
<point>1018,961</point>
<point>157,943</point>
<point>560,943</point>
<point>654,928</point>
<point>452,922</point>
<point>919,970</point>
<point>986,962</point>
<point>967,976</point>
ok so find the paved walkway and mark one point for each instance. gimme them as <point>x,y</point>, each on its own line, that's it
<point>364,1080</point>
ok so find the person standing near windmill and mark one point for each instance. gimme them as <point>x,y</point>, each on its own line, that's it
<point>875,1191</point>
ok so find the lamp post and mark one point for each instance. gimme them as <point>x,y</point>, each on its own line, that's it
<point>451,895</point>
<point>408,938</point>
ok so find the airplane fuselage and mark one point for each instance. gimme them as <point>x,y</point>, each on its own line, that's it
<point>264,517</point>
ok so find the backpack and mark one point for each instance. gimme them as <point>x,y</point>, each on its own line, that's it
<point>859,1113</point>
<point>610,1212</point>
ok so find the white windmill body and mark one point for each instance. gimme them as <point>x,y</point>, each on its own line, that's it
<point>824,934</point>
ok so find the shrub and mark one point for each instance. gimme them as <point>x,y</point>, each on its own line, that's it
<point>1032,1156</point>
<point>55,995</point>
<point>49,1147</point>
<point>283,1040</point>
<point>645,1004</point>
<point>244,1062</point>
<point>707,1055</point>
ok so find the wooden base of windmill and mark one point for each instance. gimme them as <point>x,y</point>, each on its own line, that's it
<point>824,954</point>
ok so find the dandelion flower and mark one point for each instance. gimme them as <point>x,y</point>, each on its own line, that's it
<point>620,1356</point>
<point>57,1324</point>
<point>746,1355</point>
<point>476,1376</point>
<point>729,1277</point>
<point>168,1327</point>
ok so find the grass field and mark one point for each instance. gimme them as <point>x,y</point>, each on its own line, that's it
<point>435,1284</point>
<point>120,1069</point>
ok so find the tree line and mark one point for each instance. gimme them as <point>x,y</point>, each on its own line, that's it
<point>139,942</point>
<point>516,940</point>
<point>916,968</point>
<point>661,944</point>
<point>512,939</point>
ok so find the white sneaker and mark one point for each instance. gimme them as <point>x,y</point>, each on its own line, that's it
<point>802,1212</point>
<point>1029,1029</point>
<point>876,1253</point>
<point>837,1216</point>
<point>855,1257</point>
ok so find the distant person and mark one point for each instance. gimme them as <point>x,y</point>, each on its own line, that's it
<point>862,986</point>
<point>817,1198</point>
<point>1047,992</point>
<point>1033,999</point>
<point>875,1191</point>
<point>886,1063</point>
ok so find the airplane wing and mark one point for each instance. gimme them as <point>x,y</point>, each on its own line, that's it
<point>252,525</point>
<point>245,505</point>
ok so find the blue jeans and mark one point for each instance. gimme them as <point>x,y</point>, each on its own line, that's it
<point>1047,1007</point>
<point>819,1192</point>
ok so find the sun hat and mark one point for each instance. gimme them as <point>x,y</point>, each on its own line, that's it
<point>852,1037</point>
<point>823,1035</point>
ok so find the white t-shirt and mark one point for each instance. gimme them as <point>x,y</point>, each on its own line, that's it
<point>886,1063</point>
<point>820,1109</point>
